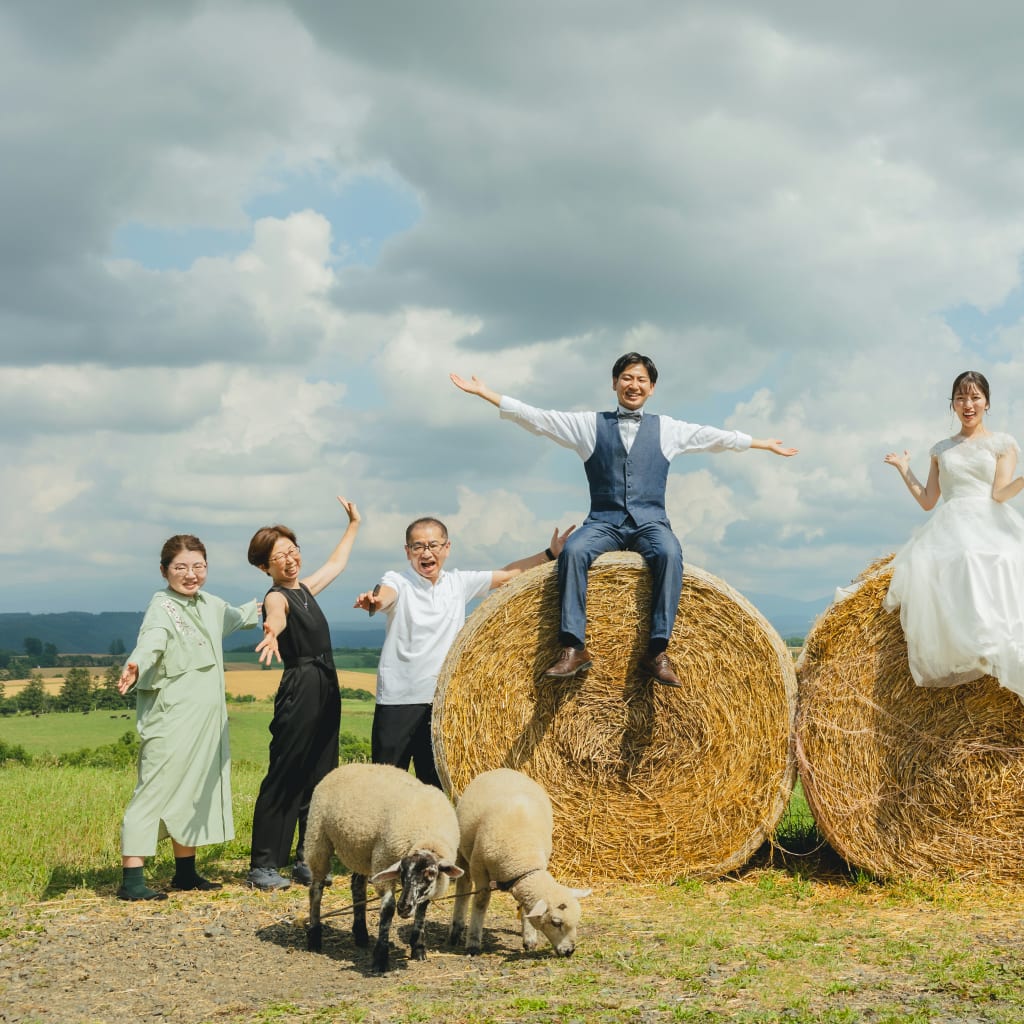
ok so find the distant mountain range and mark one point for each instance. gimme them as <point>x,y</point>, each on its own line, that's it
<point>88,633</point>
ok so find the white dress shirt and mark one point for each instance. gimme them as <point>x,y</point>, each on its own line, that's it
<point>578,430</point>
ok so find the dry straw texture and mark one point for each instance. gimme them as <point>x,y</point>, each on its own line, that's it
<point>904,780</point>
<point>647,782</point>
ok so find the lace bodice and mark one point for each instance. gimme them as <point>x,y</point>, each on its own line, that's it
<point>967,467</point>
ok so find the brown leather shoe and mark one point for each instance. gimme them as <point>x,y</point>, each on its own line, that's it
<point>660,669</point>
<point>570,661</point>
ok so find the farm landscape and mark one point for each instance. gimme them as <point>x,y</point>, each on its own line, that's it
<point>795,936</point>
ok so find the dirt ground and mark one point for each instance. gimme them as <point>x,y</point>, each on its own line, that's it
<point>736,950</point>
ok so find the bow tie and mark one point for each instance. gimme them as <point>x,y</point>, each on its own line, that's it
<point>629,415</point>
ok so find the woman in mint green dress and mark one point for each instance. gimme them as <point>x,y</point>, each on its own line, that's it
<point>184,777</point>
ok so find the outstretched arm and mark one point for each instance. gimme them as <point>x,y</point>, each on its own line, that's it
<point>773,445</point>
<point>380,599</point>
<point>274,624</point>
<point>1004,487</point>
<point>502,576</point>
<point>332,568</point>
<point>475,386</point>
<point>925,495</point>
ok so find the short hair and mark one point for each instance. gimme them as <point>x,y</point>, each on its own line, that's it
<point>634,357</point>
<point>180,542</point>
<point>263,541</point>
<point>965,379</point>
<point>424,521</point>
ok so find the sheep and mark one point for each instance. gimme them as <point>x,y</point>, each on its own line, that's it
<point>386,825</point>
<point>505,826</point>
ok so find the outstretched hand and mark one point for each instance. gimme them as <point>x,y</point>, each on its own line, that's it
<point>558,540</point>
<point>267,648</point>
<point>370,600</point>
<point>475,386</point>
<point>901,462</point>
<point>776,446</point>
<point>350,509</point>
<point>129,677</point>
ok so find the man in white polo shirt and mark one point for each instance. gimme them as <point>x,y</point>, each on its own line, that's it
<point>426,608</point>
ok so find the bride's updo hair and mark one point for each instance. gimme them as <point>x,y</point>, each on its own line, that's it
<point>964,380</point>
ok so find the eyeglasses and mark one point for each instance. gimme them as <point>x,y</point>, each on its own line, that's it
<point>417,547</point>
<point>183,570</point>
<point>281,557</point>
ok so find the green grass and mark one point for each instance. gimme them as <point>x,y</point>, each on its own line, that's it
<point>58,733</point>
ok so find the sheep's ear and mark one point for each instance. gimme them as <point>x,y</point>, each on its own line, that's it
<point>536,912</point>
<point>451,870</point>
<point>581,893</point>
<point>388,874</point>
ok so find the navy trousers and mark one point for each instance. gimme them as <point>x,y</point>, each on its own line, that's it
<point>658,546</point>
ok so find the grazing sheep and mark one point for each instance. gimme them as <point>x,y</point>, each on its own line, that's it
<point>383,824</point>
<point>505,827</point>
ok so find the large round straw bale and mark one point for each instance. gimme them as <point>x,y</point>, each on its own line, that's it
<point>647,782</point>
<point>905,780</point>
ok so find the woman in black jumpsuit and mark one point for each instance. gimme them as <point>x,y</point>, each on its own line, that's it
<point>307,708</point>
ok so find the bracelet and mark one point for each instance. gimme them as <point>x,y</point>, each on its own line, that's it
<point>550,554</point>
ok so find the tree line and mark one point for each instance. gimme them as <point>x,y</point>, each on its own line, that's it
<point>78,692</point>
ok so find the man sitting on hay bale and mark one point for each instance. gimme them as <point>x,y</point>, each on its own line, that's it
<point>626,456</point>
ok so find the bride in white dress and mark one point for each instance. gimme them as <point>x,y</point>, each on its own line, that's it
<point>959,580</point>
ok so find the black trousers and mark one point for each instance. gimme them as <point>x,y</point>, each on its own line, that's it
<point>401,735</point>
<point>303,749</point>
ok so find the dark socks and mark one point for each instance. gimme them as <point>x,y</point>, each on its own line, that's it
<point>187,879</point>
<point>568,640</point>
<point>656,647</point>
<point>134,888</point>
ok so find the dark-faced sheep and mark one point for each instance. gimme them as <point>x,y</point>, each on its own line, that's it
<point>387,827</point>
<point>505,825</point>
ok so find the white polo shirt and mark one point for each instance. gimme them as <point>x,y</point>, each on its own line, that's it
<point>422,625</point>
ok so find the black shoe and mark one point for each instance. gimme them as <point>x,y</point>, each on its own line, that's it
<point>196,884</point>
<point>301,874</point>
<point>570,661</point>
<point>146,894</point>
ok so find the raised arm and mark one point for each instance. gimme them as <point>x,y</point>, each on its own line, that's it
<point>513,569</point>
<point>475,386</point>
<point>1004,487</point>
<point>925,495</point>
<point>332,568</point>
<point>773,445</point>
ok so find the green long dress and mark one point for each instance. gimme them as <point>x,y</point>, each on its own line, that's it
<point>184,777</point>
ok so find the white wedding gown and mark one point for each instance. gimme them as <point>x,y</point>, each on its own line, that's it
<point>959,580</point>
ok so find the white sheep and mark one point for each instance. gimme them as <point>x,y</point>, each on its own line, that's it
<point>384,825</point>
<point>505,825</point>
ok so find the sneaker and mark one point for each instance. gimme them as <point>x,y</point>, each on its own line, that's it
<point>267,879</point>
<point>301,874</point>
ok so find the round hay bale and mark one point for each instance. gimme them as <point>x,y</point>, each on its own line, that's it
<point>647,782</point>
<point>904,780</point>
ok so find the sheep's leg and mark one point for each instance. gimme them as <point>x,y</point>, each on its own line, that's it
<point>458,929</point>
<point>417,949</point>
<point>382,950</point>
<point>314,930</point>
<point>475,938</point>
<point>359,932</point>
<point>530,936</point>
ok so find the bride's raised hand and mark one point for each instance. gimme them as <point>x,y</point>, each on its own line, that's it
<point>901,462</point>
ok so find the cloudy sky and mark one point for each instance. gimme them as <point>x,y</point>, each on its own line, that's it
<point>243,245</point>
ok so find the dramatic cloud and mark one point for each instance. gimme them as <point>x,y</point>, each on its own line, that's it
<point>244,246</point>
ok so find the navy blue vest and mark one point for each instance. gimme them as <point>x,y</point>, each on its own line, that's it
<point>627,484</point>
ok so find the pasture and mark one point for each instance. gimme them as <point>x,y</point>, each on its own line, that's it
<point>795,937</point>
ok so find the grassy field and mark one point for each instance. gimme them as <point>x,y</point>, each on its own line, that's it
<point>57,733</point>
